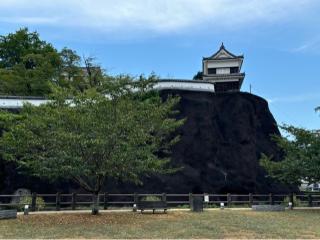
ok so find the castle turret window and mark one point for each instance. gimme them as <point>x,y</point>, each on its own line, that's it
<point>212,70</point>
<point>234,69</point>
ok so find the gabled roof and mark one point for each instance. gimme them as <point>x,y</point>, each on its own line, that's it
<point>222,53</point>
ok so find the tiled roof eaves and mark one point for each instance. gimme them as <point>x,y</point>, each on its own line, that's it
<point>236,75</point>
<point>183,80</point>
<point>222,47</point>
<point>226,58</point>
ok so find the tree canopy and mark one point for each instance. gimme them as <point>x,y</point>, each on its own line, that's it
<point>27,64</point>
<point>301,157</point>
<point>30,66</point>
<point>198,76</point>
<point>16,46</point>
<point>87,137</point>
<point>95,127</point>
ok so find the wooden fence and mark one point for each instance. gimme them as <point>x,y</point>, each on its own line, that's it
<point>77,201</point>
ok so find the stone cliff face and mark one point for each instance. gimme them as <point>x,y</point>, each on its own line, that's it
<point>221,143</point>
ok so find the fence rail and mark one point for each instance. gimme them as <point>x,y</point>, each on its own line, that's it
<point>75,201</point>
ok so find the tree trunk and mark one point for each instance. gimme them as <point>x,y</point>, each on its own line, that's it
<point>95,206</point>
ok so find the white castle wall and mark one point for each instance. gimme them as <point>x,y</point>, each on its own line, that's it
<point>185,85</point>
<point>17,102</point>
<point>12,103</point>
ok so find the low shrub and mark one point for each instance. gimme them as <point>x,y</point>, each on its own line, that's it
<point>183,206</point>
<point>151,198</point>
<point>297,202</point>
<point>27,200</point>
<point>211,205</point>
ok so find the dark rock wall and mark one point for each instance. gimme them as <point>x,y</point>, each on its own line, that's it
<point>221,143</point>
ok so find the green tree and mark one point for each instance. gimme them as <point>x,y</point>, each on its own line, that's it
<point>28,65</point>
<point>301,157</point>
<point>89,137</point>
<point>198,76</point>
<point>6,119</point>
<point>71,74</point>
<point>71,63</point>
<point>15,46</point>
<point>89,76</point>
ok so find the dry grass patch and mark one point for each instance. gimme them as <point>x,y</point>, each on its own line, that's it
<point>210,224</point>
<point>45,220</point>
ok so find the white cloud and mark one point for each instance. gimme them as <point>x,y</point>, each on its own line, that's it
<point>312,45</point>
<point>155,15</point>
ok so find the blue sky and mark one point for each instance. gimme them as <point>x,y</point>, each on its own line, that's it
<point>280,40</point>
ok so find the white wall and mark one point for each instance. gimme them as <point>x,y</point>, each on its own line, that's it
<point>221,64</point>
<point>11,103</point>
<point>192,86</point>
<point>18,103</point>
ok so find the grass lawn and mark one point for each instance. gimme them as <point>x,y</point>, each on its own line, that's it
<point>209,224</point>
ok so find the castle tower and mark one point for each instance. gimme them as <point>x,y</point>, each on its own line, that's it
<point>223,69</point>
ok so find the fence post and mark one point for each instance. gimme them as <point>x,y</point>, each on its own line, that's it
<point>250,199</point>
<point>135,200</point>
<point>34,202</point>
<point>74,201</point>
<point>58,201</point>
<point>105,201</point>
<point>291,200</point>
<point>229,200</point>
<point>190,200</point>
<point>310,204</point>
<point>164,197</point>
<point>271,200</point>
<point>205,204</point>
